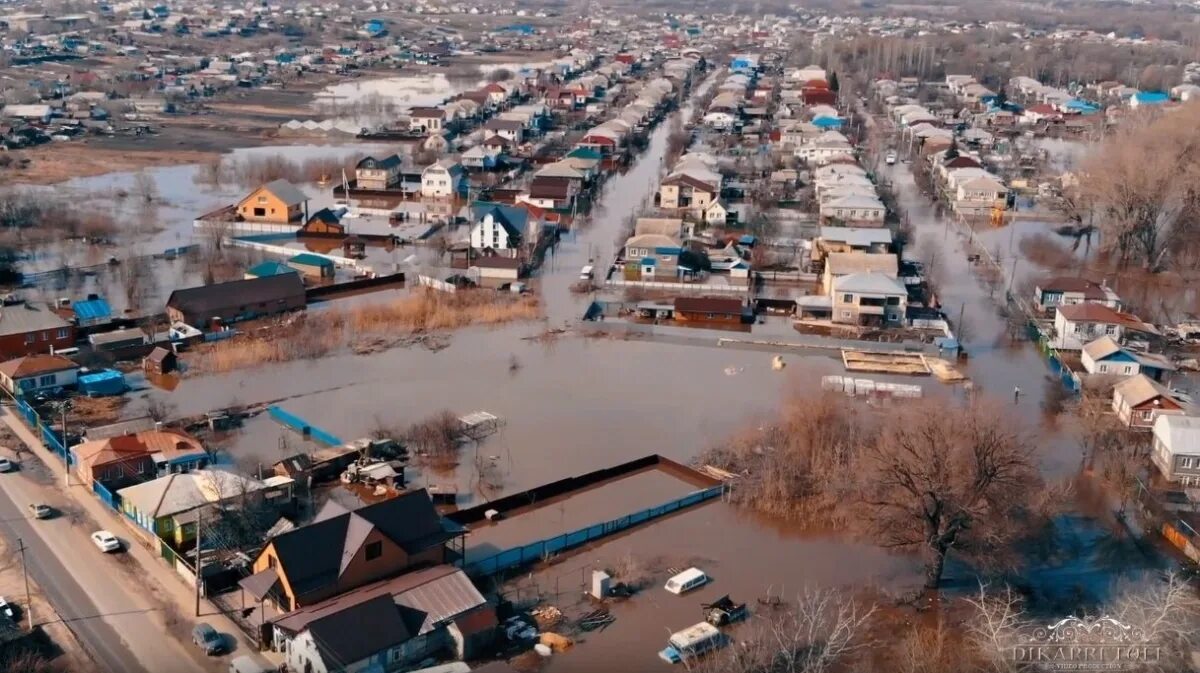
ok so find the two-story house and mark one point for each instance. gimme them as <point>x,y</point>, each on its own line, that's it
<point>511,130</point>
<point>869,299</point>
<point>652,255</point>
<point>552,192</point>
<point>342,550</point>
<point>1079,324</point>
<point>379,174</point>
<point>442,180</point>
<point>1176,451</point>
<point>499,229</point>
<point>685,192</point>
<point>277,202</point>
<point>389,625</point>
<point>429,120</point>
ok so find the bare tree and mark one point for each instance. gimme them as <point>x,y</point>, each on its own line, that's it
<point>942,480</point>
<point>144,187</point>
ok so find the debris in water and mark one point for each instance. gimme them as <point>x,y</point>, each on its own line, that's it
<point>733,371</point>
<point>777,363</point>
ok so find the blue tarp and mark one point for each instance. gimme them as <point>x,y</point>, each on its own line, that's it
<point>107,382</point>
<point>92,311</point>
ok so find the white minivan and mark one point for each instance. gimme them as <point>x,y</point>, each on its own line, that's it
<point>686,581</point>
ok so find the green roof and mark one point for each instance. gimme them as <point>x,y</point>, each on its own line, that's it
<point>269,268</point>
<point>309,259</point>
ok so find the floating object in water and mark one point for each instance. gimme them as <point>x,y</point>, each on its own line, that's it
<point>733,371</point>
<point>777,363</point>
<point>543,650</point>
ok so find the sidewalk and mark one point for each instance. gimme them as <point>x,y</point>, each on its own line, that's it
<point>150,576</point>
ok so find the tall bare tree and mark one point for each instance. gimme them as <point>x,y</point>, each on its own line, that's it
<point>940,481</point>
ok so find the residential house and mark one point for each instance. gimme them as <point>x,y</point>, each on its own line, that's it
<point>136,455</point>
<point>1078,324</point>
<point>478,158</point>
<point>838,264</point>
<point>266,268</point>
<point>388,625</point>
<point>170,506</point>
<point>443,179</point>
<point>1105,356</point>
<point>511,130</point>
<point>29,329</point>
<point>726,310</point>
<point>429,120</point>
<point>1176,451</point>
<point>870,299</point>
<point>342,550</point>
<point>379,174</point>
<point>1060,291</point>
<point>1139,399</point>
<point>652,255</point>
<point>682,191</point>
<point>552,192</point>
<point>324,222</point>
<point>979,196</point>
<point>237,300</point>
<point>717,213</point>
<point>854,208</point>
<point>875,240</point>
<point>30,374</point>
<point>499,229</point>
<point>277,202</point>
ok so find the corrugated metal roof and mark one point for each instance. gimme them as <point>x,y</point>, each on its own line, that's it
<point>442,598</point>
<point>92,309</point>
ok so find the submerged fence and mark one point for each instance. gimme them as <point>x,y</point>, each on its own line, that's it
<point>302,426</point>
<point>540,550</point>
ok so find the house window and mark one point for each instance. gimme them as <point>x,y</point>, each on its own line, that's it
<point>62,333</point>
<point>262,199</point>
<point>395,655</point>
<point>47,380</point>
<point>847,299</point>
<point>1078,329</point>
<point>45,336</point>
<point>374,550</point>
<point>30,338</point>
<point>1110,330</point>
<point>1185,462</point>
<point>260,212</point>
<point>1103,369</point>
<point>1128,369</point>
<point>845,314</point>
<point>25,384</point>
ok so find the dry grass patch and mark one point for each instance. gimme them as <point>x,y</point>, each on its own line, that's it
<point>365,329</point>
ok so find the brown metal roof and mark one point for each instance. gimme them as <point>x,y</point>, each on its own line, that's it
<point>721,305</point>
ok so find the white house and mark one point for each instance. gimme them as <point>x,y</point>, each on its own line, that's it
<point>1176,451</point>
<point>32,373</point>
<point>859,209</point>
<point>500,229</point>
<point>1079,324</point>
<point>442,179</point>
<point>1105,356</point>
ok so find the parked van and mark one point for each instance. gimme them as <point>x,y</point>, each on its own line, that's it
<point>686,581</point>
<point>586,272</point>
<point>692,642</point>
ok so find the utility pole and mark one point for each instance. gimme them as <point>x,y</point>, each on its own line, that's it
<point>25,573</point>
<point>199,555</point>
<point>66,443</point>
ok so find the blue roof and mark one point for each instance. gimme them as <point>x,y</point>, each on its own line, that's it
<point>649,261</point>
<point>513,219</point>
<point>1151,97</point>
<point>269,268</point>
<point>747,239</point>
<point>309,259</point>
<point>585,153</point>
<point>824,122</point>
<point>667,251</point>
<point>92,309</point>
<point>1081,105</point>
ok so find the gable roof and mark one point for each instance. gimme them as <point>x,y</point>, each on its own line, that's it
<point>285,191</point>
<point>514,220</point>
<point>1083,286</point>
<point>357,624</point>
<point>269,267</point>
<point>371,163</point>
<point>24,318</point>
<point>1101,348</point>
<point>1178,434</point>
<point>683,179</point>
<point>1140,389</point>
<point>846,263</point>
<point>313,556</point>
<point>1103,314</point>
<point>33,365</point>
<point>178,493</point>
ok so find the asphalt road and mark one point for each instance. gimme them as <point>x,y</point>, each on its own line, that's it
<point>62,590</point>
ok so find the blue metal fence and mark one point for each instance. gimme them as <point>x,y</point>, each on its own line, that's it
<point>106,496</point>
<point>536,551</point>
<point>302,426</point>
<point>51,439</point>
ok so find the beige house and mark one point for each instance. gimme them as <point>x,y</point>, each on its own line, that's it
<point>372,173</point>
<point>860,209</point>
<point>278,202</point>
<point>838,264</point>
<point>684,192</point>
<point>869,299</point>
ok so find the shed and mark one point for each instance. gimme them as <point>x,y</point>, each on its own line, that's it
<point>160,361</point>
<point>99,384</point>
<point>92,312</point>
<point>118,339</point>
<point>268,268</point>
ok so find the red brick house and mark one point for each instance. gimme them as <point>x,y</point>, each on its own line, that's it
<point>29,329</point>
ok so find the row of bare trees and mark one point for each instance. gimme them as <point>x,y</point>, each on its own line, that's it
<point>928,477</point>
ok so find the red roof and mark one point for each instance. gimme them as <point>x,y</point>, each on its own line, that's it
<point>816,84</point>
<point>1103,314</point>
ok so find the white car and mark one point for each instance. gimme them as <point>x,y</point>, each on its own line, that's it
<point>890,158</point>
<point>6,465</point>
<point>106,541</point>
<point>40,511</point>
